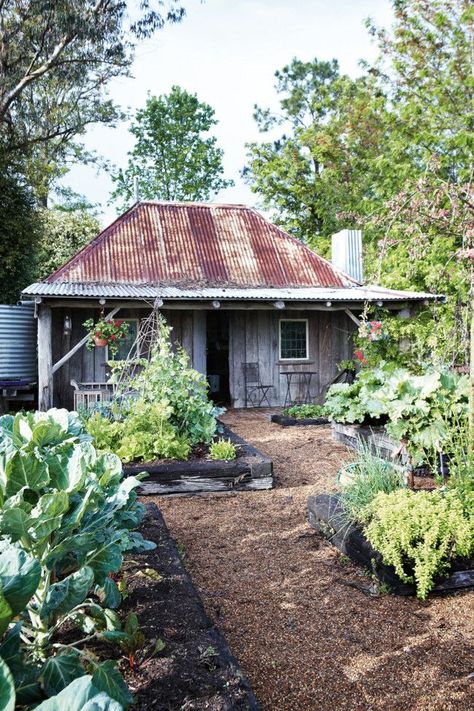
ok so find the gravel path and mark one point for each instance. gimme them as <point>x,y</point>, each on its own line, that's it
<point>303,622</point>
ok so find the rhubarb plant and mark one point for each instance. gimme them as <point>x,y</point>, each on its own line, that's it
<point>67,518</point>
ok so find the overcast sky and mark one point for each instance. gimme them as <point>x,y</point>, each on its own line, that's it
<point>226,51</point>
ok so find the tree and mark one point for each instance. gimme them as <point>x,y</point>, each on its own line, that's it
<point>63,233</point>
<point>18,235</point>
<point>56,59</point>
<point>426,69</point>
<point>172,158</point>
<point>318,172</point>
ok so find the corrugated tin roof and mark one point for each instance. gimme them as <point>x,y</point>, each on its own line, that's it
<point>172,293</point>
<point>198,245</point>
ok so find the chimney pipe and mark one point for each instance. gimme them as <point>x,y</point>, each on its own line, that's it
<point>346,253</point>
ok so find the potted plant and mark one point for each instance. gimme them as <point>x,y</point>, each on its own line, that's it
<point>105,332</point>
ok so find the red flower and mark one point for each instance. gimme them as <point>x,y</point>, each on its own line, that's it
<point>117,324</point>
<point>97,333</point>
<point>113,337</point>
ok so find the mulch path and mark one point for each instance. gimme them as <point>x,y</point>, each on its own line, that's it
<point>304,623</point>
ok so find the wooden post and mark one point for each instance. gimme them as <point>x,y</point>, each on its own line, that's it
<point>45,358</point>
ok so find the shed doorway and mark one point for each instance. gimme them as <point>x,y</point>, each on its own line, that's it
<point>217,356</point>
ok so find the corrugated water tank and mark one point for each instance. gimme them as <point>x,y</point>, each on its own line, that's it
<point>18,342</point>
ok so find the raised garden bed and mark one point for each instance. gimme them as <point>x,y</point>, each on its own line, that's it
<point>249,471</point>
<point>286,421</point>
<point>374,436</point>
<point>195,670</point>
<point>326,515</point>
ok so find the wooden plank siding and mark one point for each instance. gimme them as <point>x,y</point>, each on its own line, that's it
<point>253,336</point>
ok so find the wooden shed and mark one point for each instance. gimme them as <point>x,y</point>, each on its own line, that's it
<point>237,290</point>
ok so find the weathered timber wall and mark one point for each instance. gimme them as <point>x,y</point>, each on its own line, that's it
<point>253,337</point>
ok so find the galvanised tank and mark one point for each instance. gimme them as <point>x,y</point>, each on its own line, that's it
<point>18,342</point>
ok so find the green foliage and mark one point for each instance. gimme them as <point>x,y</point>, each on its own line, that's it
<point>79,695</point>
<point>19,233</point>
<point>63,233</point>
<point>66,520</point>
<point>143,432</point>
<point>110,330</point>
<point>305,411</point>
<point>173,157</point>
<point>419,533</point>
<point>223,449</point>
<point>56,61</point>
<point>168,412</point>
<point>363,479</point>
<point>420,409</point>
<point>319,171</point>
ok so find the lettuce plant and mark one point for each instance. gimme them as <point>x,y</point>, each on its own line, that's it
<point>67,517</point>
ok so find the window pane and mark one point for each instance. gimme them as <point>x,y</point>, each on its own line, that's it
<point>293,339</point>
<point>126,343</point>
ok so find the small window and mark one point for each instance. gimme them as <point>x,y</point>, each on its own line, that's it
<point>126,344</point>
<point>294,339</point>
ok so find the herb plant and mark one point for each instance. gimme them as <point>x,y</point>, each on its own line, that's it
<point>419,533</point>
<point>223,449</point>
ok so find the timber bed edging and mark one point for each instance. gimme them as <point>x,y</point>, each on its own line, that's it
<point>251,471</point>
<point>228,684</point>
<point>326,516</point>
<point>286,421</point>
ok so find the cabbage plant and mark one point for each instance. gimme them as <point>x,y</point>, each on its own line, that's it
<point>66,519</point>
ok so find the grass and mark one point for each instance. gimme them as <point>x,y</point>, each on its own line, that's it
<point>363,479</point>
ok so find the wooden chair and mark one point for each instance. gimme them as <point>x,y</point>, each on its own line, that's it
<point>256,393</point>
<point>86,395</point>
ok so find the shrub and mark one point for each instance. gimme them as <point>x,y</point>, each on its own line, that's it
<point>223,449</point>
<point>66,520</point>
<point>363,479</point>
<point>420,533</point>
<point>309,411</point>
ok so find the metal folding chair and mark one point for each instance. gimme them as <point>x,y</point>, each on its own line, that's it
<point>256,393</point>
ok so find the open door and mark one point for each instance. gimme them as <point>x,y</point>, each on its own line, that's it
<point>217,356</point>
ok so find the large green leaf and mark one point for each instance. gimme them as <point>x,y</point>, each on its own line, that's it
<point>108,678</point>
<point>80,695</point>
<point>47,514</point>
<point>111,595</point>
<point>7,688</point>
<point>106,559</point>
<point>19,576</point>
<point>68,593</point>
<point>67,468</point>
<point>60,671</point>
<point>14,522</point>
<point>6,614</point>
<point>25,469</point>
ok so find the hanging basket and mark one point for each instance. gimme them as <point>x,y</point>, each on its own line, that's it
<point>100,342</point>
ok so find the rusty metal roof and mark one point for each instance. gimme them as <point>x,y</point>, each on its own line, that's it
<point>198,245</point>
<point>146,292</point>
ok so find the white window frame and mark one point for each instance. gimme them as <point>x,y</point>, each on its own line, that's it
<point>290,360</point>
<point>124,320</point>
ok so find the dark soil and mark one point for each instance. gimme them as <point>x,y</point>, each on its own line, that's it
<point>195,670</point>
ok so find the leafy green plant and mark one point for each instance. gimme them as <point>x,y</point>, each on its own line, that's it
<point>363,479</point>
<point>309,411</point>
<point>223,449</point>
<point>66,520</point>
<point>144,432</point>
<point>419,533</point>
<point>168,412</point>
<point>420,409</point>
